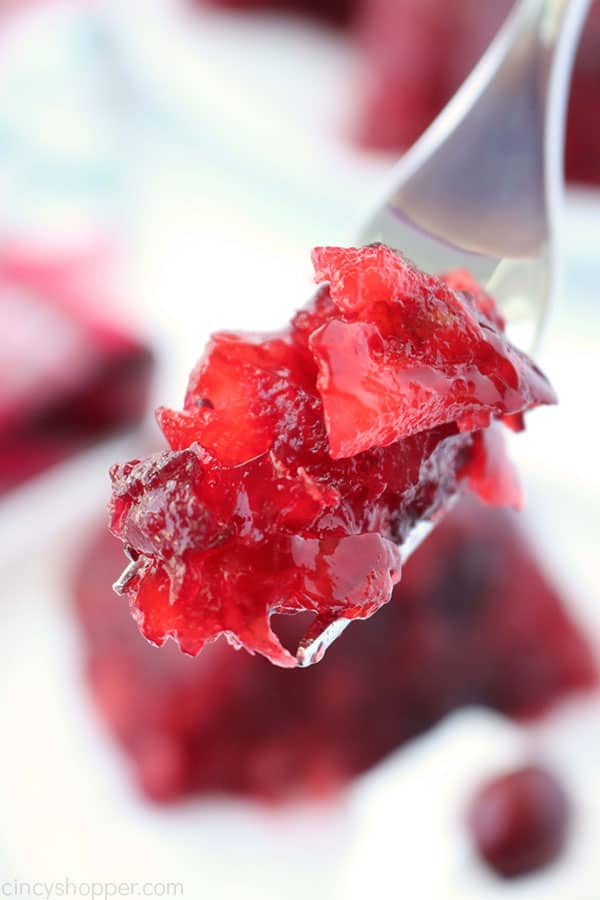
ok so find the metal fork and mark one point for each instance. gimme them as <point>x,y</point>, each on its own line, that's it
<point>482,188</point>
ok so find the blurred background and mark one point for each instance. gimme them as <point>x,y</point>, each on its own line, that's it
<point>165,168</point>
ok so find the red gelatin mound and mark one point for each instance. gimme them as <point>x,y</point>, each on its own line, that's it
<point>69,376</point>
<point>303,461</point>
<point>474,621</point>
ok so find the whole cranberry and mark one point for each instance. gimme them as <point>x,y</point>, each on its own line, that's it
<point>519,821</point>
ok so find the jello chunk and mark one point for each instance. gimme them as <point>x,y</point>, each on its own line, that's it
<point>302,461</point>
<point>404,352</point>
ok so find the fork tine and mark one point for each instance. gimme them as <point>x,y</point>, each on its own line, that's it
<point>324,631</point>
<point>318,639</point>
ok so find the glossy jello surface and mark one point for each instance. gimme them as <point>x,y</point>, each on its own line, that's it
<point>474,621</point>
<point>302,461</point>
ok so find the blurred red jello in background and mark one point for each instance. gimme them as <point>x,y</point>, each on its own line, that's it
<point>416,53</point>
<point>339,11</point>
<point>473,621</point>
<point>583,129</point>
<point>69,376</point>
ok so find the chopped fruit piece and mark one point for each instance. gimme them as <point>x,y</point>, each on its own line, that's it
<point>302,462</point>
<point>520,821</point>
<point>473,621</point>
<point>68,376</point>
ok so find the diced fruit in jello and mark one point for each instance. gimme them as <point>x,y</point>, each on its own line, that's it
<point>473,621</point>
<point>68,376</point>
<point>302,461</point>
<point>520,821</point>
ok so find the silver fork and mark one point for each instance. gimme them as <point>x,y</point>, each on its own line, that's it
<point>482,188</point>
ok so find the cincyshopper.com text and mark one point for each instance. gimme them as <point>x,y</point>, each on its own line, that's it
<point>96,890</point>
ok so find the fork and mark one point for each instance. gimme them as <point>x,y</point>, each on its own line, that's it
<point>482,188</point>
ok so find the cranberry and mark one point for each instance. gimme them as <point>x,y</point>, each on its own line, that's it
<point>520,821</point>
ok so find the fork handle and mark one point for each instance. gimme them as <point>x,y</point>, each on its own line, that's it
<point>558,25</point>
<point>498,145</point>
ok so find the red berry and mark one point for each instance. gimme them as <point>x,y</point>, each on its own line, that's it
<point>520,821</point>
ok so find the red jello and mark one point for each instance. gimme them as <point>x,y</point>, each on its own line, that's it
<point>583,123</point>
<point>473,621</point>
<point>337,11</point>
<point>68,376</point>
<point>520,821</point>
<point>415,56</point>
<point>303,461</point>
